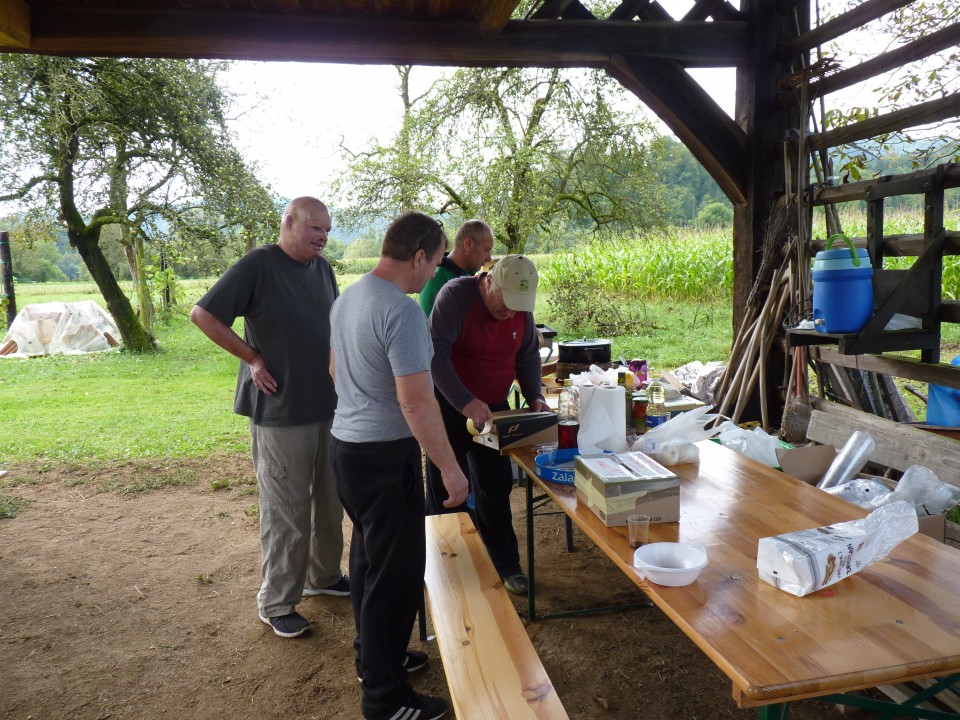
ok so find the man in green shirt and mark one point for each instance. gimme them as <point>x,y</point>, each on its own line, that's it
<point>471,251</point>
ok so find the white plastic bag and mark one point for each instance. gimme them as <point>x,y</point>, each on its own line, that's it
<point>921,487</point>
<point>805,561</point>
<point>754,443</point>
<point>868,493</point>
<point>672,442</point>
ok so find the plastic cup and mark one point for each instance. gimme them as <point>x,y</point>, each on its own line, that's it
<point>638,526</point>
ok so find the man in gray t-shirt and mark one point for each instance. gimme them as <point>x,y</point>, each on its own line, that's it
<point>284,293</point>
<point>380,351</point>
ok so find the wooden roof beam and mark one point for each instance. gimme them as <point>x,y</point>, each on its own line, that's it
<point>523,43</point>
<point>922,114</point>
<point>917,50</point>
<point>840,25</point>
<point>695,118</point>
<point>14,24</point>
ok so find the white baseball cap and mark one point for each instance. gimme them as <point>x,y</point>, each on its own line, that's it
<point>516,276</point>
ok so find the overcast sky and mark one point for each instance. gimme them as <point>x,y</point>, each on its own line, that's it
<point>294,134</point>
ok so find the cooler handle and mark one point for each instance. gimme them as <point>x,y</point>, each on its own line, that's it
<point>849,242</point>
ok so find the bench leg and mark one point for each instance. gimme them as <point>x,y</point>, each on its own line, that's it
<point>531,565</point>
<point>422,617</point>
<point>569,526</point>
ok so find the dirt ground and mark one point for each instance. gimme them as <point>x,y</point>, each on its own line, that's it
<point>121,604</point>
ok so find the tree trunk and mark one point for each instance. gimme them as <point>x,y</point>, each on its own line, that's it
<point>135,338</point>
<point>6,277</point>
<point>143,288</point>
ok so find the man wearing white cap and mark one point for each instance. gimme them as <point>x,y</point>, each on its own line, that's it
<point>484,336</point>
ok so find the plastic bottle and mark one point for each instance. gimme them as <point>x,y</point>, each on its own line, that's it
<point>657,413</point>
<point>625,379</point>
<point>569,421</point>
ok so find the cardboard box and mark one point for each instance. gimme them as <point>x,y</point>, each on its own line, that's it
<point>515,428</point>
<point>615,487</point>
<point>809,463</point>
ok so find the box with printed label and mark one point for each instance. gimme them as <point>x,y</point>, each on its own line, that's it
<point>515,428</point>
<point>617,486</point>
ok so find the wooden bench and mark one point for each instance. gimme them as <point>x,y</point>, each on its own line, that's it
<point>491,666</point>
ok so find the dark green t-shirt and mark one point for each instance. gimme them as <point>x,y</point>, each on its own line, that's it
<point>285,306</point>
<point>447,270</point>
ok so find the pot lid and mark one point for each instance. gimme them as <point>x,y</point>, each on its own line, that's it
<point>585,343</point>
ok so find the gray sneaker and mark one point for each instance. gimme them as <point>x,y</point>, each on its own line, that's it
<point>287,626</point>
<point>517,584</point>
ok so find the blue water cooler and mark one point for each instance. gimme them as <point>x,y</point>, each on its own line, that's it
<point>842,288</point>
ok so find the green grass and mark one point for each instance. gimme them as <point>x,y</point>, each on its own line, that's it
<point>10,505</point>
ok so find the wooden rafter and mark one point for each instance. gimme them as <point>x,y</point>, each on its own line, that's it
<point>918,49</point>
<point>522,43</point>
<point>712,136</point>
<point>859,16</point>
<point>922,114</point>
<point>14,23</point>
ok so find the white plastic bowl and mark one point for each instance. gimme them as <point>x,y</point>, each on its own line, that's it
<point>670,564</point>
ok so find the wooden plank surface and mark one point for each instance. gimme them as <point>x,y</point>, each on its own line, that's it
<point>898,446</point>
<point>894,621</point>
<point>491,666</point>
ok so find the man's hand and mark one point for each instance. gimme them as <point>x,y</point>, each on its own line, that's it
<point>478,411</point>
<point>539,406</point>
<point>456,486</point>
<point>261,377</point>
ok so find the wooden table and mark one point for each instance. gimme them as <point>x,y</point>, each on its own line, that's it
<point>894,621</point>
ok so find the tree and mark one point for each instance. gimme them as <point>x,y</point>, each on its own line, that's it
<point>522,149</point>
<point>140,144</point>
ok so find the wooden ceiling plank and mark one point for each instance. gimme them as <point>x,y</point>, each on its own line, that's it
<point>492,15</point>
<point>14,24</point>
<point>922,114</point>
<point>859,16</point>
<point>694,117</point>
<point>523,43</point>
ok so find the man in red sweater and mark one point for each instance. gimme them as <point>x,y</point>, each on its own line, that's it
<point>484,336</point>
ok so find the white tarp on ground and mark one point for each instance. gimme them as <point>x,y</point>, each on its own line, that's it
<point>60,328</point>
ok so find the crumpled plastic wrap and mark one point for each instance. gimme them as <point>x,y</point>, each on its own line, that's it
<point>673,442</point>
<point>868,493</point>
<point>754,443</point>
<point>805,561</point>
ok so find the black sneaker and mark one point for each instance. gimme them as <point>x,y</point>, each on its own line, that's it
<point>287,626</point>
<point>420,707</point>
<point>517,584</point>
<point>341,588</point>
<point>413,660</point>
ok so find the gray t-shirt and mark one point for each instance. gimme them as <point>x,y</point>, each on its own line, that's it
<point>377,334</point>
<point>285,306</point>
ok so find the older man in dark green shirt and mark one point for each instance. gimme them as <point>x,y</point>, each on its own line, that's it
<point>471,251</point>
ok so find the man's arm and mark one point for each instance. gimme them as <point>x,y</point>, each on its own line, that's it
<point>420,409</point>
<point>226,338</point>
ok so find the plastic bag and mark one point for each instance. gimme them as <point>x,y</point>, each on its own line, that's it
<point>921,487</point>
<point>865,492</point>
<point>849,461</point>
<point>805,561</point>
<point>754,443</point>
<point>673,442</point>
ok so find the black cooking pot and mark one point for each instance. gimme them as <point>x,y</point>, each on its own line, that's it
<point>584,352</point>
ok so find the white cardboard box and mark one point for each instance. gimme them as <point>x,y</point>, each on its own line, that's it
<point>617,486</point>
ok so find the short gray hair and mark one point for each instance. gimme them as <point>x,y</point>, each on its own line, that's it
<point>471,228</point>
